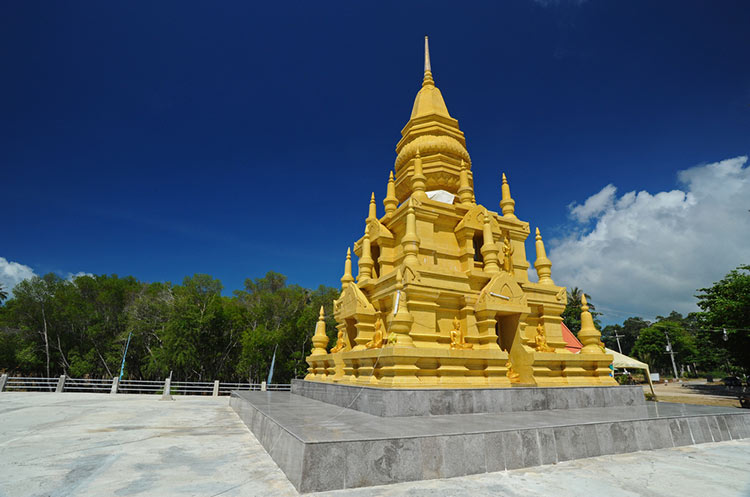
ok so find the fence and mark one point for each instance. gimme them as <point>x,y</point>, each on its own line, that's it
<point>116,386</point>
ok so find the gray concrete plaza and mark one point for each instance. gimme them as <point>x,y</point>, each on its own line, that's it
<point>102,445</point>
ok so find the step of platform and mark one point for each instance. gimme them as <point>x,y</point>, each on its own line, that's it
<point>320,446</point>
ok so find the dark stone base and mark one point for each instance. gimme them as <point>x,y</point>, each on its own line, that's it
<point>423,402</point>
<point>320,446</point>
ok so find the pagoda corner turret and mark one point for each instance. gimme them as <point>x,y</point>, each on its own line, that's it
<point>436,266</point>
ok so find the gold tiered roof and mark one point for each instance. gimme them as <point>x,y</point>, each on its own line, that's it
<point>442,296</point>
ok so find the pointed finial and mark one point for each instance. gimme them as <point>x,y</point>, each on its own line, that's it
<point>320,339</point>
<point>399,279</point>
<point>465,193</point>
<point>347,278</point>
<point>507,204</point>
<point>427,54</point>
<point>589,336</point>
<point>489,248</point>
<point>373,212</point>
<point>418,179</point>
<point>428,81</point>
<point>543,265</point>
<point>390,202</point>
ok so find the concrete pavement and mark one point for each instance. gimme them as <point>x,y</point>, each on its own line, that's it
<point>124,445</point>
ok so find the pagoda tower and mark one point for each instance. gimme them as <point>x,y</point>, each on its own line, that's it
<point>442,297</point>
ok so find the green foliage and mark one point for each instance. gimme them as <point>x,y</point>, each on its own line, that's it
<point>726,305</point>
<point>651,345</point>
<point>628,331</point>
<point>572,313</point>
<point>80,328</point>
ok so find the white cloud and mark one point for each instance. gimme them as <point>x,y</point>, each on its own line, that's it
<point>11,273</point>
<point>73,276</point>
<point>594,205</point>
<point>647,254</point>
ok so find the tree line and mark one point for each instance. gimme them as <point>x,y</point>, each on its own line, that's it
<point>714,339</point>
<point>80,327</point>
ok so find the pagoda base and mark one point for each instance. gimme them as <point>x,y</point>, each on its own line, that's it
<point>321,446</point>
<point>438,401</point>
<point>426,367</point>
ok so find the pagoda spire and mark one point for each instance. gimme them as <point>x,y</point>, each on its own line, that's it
<point>489,249</point>
<point>418,179</point>
<point>390,202</point>
<point>507,204</point>
<point>402,320</point>
<point>465,193</point>
<point>543,265</point>
<point>365,262</point>
<point>427,81</point>
<point>373,212</point>
<point>320,339</point>
<point>589,336</point>
<point>410,240</point>
<point>347,278</point>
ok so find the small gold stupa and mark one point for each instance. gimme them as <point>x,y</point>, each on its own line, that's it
<point>442,297</point>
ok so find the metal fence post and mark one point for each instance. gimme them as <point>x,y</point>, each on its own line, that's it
<point>60,384</point>
<point>115,383</point>
<point>216,388</point>
<point>3,381</point>
<point>167,395</point>
<point>263,386</point>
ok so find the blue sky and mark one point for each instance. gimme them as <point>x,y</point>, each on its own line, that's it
<point>170,138</point>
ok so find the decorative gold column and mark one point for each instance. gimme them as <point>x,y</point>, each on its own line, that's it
<point>507,204</point>
<point>365,261</point>
<point>465,193</point>
<point>543,265</point>
<point>489,249</point>
<point>418,179</point>
<point>347,278</point>
<point>390,202</point>
<point>589,336</point>
<point>411,240</point>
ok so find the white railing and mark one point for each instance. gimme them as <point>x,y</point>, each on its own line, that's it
<point>114,385</point>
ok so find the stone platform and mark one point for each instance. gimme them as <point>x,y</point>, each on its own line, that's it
<point>439,401</point>
<point>321,446</point>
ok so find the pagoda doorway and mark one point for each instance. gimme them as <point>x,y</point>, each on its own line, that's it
<point>506,327</point>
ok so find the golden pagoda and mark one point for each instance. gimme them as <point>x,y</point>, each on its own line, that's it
<point>442,297</point>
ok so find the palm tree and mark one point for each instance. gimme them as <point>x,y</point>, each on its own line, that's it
<point>572,313</point>
<point>3,293</point>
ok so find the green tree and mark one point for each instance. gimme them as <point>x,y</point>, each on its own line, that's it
<point>572,313</point>
<point>3,294</point>
<point>628,331</point>
<point>651,346</point>
<point>726,306</point>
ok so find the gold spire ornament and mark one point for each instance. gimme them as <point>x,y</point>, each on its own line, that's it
<point>320,339</point>
<point>489,249</point>
<point>543,265</point>
<point>418,179</point>
<point>402,320</point>
<point>507,204</point>
<point>373,211</point>
<point>411,240</point>
<point>390,202</point>
<point>365,262</point>
<point>465,193</point>
<point>589,336</point>
<point>347,278</point>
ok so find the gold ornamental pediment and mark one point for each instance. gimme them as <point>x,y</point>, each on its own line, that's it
<point>502,294</point>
